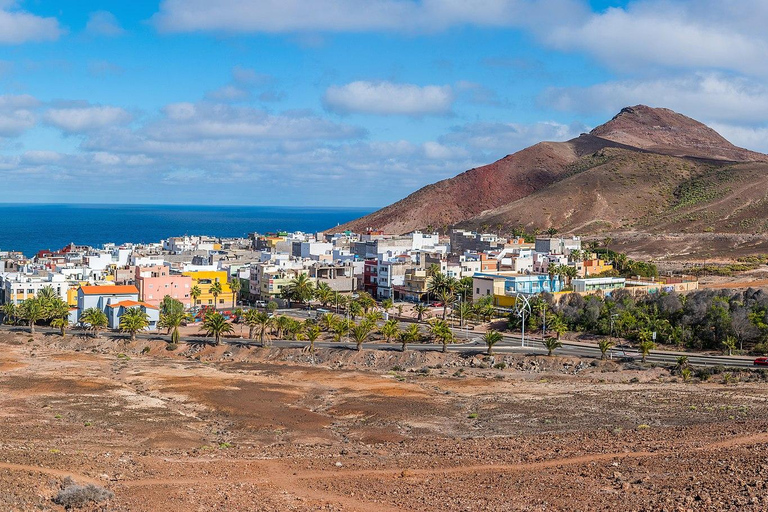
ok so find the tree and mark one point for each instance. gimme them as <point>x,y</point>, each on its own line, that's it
<point>557,325</point>
<point>446,296</point>
<point>32,310</point>
<point>215,290</point>
<point>312,332</point>
<point>551,344</point>
<point>235,285</point>
<point>260,321</point>
<point>172,320</point>
<point>281,324</point>
<point>360,333</point>
<point>440,331</point>
<point>169,305</point>
<point>324,294</point>
<point>374,316</point>
<point>299,289</point>
<point>390,330</point>
<point>58,313</point>
<point>410,335</point>
<point>730,344</point>
<point>420,309</point>
<point>340,329</point>
<point>214,324</point>
<point>387,304</point>
<point>95,320</point>
<point>10,313</point>
<point>133,320</point>
<point>604,345</point>
<point>355,309</point>
<point>327,321</point>
<point>645,346</point>
<point>365,301</point>
<point>195,292</point>
<point>491,338</point>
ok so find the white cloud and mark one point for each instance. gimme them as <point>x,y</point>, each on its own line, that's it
<point>103,23</point>
<point>703,96</point>
<point>506,138</point>
<point>389,98</point>
<point>86,118</point>
<point>275,16</point>
<point>229,93</point>
<point>651,33</point>
<point>18,27</point>
<point>17,114</point>
<point>754,138</point>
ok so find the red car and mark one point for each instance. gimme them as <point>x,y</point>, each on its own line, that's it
<point>436,304</point>
<point>761,361</point>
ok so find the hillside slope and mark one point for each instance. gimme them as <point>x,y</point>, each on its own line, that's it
<point>646,169</point>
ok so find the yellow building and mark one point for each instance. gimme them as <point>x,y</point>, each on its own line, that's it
<point>204,279</point>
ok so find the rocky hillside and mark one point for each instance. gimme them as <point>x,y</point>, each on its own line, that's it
<point>647,169</point>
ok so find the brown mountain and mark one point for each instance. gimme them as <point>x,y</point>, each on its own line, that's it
<point>647,169</point>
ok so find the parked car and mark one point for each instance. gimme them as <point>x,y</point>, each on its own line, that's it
<point>436,304</point>
<point>761,361</point>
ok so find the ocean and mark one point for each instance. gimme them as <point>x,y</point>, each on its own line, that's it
<point>30,228</point>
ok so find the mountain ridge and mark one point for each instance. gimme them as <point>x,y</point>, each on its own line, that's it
<point>647,168</point>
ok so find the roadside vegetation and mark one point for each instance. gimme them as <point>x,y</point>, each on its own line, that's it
<point>720,320</point>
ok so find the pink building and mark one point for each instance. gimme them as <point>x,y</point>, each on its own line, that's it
<point>156,282</point>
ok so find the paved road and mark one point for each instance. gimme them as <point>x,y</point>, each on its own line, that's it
<point>511,344</point>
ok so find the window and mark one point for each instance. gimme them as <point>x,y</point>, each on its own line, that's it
<point>478,291</point>
<point>210,302</point>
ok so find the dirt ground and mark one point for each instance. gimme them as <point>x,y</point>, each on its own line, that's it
<point>231,428</point>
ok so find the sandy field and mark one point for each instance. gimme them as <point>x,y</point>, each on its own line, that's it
<point>231,428</point>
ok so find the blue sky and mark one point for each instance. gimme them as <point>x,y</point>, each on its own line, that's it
<point>344,102</point>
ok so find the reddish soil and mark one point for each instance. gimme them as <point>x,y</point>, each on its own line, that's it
<point>227,428</point>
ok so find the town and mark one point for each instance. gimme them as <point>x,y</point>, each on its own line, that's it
<point>460,276</point>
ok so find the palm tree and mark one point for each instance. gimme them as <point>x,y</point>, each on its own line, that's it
<point>386,305</point>
<point>293,328</point>
<point>215,290</point>
<point>95,319</point>
<point>557,325</point>
<point>312,332</point>
<point>216,325</point>
<point>235,285</point>
<point>389,330</point>
<point>360,333</point>
<point>366,301</point>
<point>420,309</point>
<point>355,309</point>
<point>340,329</point>
<point>604,345</point>
<point>446,296</point>
<point>195,292</point>
<point>324,294</point>
<point>58,312</point>
<point>261,321</point>
<point>327,321</point>
<point>300,289</point>
<point>32,310</point>
<point>374,316</point>
<point>172,321</point>
<point>411,335</point>
<point>491,338</point>
<point>133,320</point>
<point>10,313</point>
<point>551,344</point>
<point>645,348</point>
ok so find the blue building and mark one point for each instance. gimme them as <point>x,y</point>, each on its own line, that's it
<point>505,284</point>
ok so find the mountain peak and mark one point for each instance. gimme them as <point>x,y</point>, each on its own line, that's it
<point>665,131</point>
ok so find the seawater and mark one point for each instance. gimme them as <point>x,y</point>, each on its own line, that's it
<point>30,228</point>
